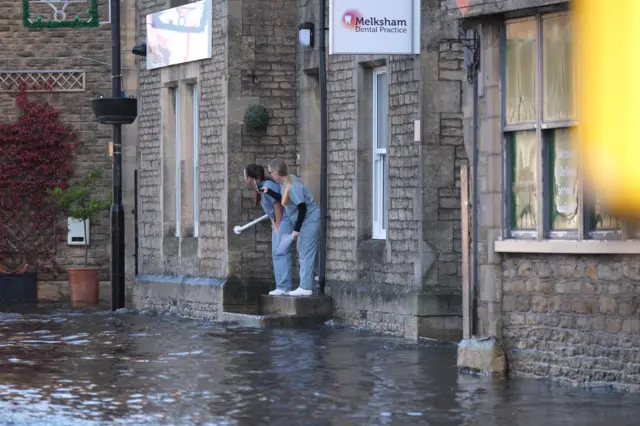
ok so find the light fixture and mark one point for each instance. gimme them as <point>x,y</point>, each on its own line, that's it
<point>305,34</point>
<point>140,49</point>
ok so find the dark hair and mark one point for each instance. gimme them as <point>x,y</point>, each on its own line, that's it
<point>256,171</point>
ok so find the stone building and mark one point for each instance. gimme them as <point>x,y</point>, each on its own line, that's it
<point>395,267</point>
<point>76,62</point>
<point>558,276</point>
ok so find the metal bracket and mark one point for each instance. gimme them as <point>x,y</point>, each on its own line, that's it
<point>470,41</point>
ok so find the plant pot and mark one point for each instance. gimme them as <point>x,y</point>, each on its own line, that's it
<point>115,110</point>
<point>84,285</point>
<point>17,288</point>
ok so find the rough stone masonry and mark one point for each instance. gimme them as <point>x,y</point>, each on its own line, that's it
<point>253,62</point>
<point>408,284</point>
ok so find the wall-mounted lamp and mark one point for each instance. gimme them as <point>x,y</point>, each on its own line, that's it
<point>305,34</point>
<point>140,49</point>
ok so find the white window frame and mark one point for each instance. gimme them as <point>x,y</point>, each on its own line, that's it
<point>178,180</point>
<point>379,169</point>
<point>196,162</point>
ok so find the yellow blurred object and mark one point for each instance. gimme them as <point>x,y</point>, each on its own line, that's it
<point>609,99</point>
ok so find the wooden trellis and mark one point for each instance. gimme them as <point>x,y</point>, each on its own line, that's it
<point>43,81</point>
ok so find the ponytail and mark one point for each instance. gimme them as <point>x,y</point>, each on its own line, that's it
<point>286,189</point>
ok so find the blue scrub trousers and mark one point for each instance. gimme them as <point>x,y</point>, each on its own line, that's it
<point>281,261</point>
<point>307,246</point>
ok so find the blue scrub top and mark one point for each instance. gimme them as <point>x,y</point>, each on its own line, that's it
<point>299,193</point>
<point>266,200</point>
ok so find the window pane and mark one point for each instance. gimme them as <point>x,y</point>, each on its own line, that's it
<point>602,221</point>
<point>558,70</point>
<point>382,110</point>
<point>565,181</point>
<point>524,178</point>
<point>520,71</point>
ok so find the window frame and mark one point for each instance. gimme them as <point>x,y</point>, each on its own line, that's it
<point>380,170</point>
<point>585,230</point>
<point>196,161</point>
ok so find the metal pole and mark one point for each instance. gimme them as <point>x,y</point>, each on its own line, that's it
<point>117,209</point>
<point>324,199</point>
<point>476,197</point>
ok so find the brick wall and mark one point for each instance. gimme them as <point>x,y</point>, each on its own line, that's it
<point>573,318</point>
<point>63,49</point>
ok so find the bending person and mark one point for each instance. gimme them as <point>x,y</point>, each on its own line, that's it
<point>280,225</point>
<point>303,212</point>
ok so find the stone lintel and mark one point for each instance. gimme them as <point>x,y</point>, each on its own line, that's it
<point>481,8</point>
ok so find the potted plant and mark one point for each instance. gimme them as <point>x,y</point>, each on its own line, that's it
<point>79,202</point>
<point>256,117</point>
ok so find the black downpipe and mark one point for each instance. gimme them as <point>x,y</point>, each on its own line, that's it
<point>324,199</point>
<point>135,221</point>
<point>475,203</point>
<point>117,209</point>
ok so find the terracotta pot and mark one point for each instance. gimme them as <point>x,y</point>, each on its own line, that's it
<point>84,285</point>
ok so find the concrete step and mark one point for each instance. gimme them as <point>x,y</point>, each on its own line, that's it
<point>309,306</point>
<point>282,311</point>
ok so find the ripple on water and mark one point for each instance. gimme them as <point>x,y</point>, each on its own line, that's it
<point>146,370</point>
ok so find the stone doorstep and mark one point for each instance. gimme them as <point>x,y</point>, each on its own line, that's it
<point>260,321</point>
<point>284,311</point>
<point>309,306</point>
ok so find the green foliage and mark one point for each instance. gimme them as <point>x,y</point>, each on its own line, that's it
<point>76,22</point>
<point>78,201</point>
<point>256,117</point>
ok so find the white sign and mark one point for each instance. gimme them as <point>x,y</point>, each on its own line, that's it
<point>365,27</point>
<point>178,35</point>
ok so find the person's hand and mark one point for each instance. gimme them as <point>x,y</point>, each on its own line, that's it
<point>275,229</point>
<point>295,234</point>
<point>264,189</point>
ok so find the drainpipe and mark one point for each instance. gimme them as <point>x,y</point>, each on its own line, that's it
<point>475,204</point>
<point>324,199</point>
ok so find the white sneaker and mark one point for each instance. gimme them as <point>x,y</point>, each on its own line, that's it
<point>277,292</point>
<point>300,292</point>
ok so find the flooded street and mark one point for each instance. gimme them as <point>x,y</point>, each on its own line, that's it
<point>92,367</point>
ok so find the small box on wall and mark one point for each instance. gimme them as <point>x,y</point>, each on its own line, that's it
<point>76,232</point>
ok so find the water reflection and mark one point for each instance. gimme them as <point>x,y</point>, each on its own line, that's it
<point>76,367</point>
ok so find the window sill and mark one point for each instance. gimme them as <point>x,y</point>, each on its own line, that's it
<point>567,247</point>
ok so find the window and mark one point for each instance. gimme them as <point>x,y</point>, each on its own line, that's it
<point>196,166</point>
<point>547,197</point>
<point>380,141</point>
<point>178,180</point>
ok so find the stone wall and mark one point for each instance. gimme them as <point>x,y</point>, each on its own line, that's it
<point>573,318</point>
<point>253,63</point>
<point>262,42</point>
<point>408,284</point>
<point>157,246</point>
<point>87,50</point>
<point>559,314</point>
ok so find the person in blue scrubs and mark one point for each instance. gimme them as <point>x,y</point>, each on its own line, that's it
<point>303,212</point>
<point>280,225</point>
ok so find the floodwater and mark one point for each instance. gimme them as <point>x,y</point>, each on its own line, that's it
<point>63,366</point>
